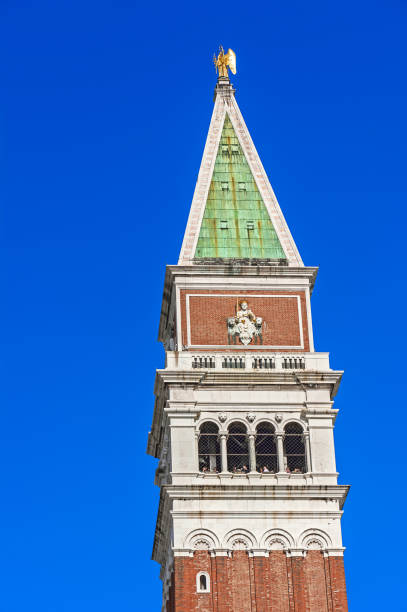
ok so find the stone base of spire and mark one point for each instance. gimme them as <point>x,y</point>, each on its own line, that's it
<point>224,88</point>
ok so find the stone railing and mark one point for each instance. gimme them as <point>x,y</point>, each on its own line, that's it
<point>249,361</point>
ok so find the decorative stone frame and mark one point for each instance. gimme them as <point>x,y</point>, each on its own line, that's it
<point>282,538</point>
<point>201,539</point>
<point>307,446</point>
<point>239,539</point>
<point>199,589</point>
<point>275,539</point>
<point>188,342</point>
<point>251,430</point>
<point>314,539</point>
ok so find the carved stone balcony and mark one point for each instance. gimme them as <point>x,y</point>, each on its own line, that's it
<point>253,361</point>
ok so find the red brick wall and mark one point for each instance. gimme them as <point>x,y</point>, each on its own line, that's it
<point>279,581</point>
<point>259,584</point>
<point>338,585</point>
<point>208,317</point>
<point>315,582</point>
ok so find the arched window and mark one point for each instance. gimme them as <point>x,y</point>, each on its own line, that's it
<point>237,449</point>
<point>294,448</point>
<point>209,448</point>
<point>203,584</point>
<point>266,448</point>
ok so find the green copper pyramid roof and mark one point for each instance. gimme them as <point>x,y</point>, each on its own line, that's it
<point>236,223</point>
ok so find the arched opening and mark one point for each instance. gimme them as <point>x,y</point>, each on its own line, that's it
<point>209,448</point>
<point>238,449</point>
<point>294,448</point>
<point>266,449</point>
<point>203,583</point>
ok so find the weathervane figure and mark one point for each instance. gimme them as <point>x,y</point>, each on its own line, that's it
<point>225,61</point>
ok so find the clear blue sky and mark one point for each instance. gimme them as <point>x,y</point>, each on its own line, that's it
<point>104,112</point>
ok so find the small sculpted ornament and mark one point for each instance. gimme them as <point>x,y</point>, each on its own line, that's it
<point>245,326</point>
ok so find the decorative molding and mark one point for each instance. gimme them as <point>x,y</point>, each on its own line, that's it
<point>315,539</point>
<point>240,539</point>
<point>277,539</point>
<point>201,539</point>
<point>244,346</point>
<point>202,544</point>
<point>314,544</point>
<point>276,543</point>
<point>296,552</point>
<point>240,543</point>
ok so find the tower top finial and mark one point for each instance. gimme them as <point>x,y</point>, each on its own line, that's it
<point>224,61</point>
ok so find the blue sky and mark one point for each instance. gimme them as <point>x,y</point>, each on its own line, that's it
<point>104,112</point>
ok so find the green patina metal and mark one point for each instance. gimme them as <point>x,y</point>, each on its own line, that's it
<point>236,223</point>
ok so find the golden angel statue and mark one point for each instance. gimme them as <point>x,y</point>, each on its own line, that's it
<point>225,61</point>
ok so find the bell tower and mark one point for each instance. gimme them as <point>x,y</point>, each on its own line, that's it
<point>250,507</point>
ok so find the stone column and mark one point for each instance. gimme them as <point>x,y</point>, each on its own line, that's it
<point>308,451</point>
<point>197,450</point>
<point>252,453</point>
<point>223,453</point>
<point>280,452</point>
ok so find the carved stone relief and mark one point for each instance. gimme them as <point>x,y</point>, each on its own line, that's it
<point>201,544</point>
<point>276,543</point>
<point>240,544</point>
<point>314,544</point>
<point>245,326</point>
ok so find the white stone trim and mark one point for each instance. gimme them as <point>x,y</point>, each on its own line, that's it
<point>277,533</point>
<point>296,552</point>
<point>179,317</point>
<point>309,320</point>
<point>270,514</point>
<point>259,552</point>
<point>242,347</point>
<point>196,535</point>
<point>221,552</point>
<point>235,536</point>
<point>306,537</point>
<point>293,419</point>
<point>335,552</point>
<point>203,182</point>
<point>183,552</point>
